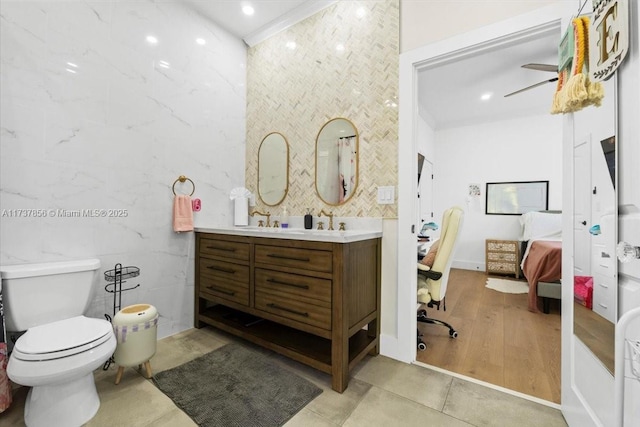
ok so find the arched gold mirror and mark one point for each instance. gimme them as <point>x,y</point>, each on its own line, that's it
<point>337,161</point>
<point>273,169</point>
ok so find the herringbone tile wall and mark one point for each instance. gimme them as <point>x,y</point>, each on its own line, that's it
<point>295,91</point>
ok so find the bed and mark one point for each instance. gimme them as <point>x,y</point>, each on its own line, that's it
<point>542,254</point>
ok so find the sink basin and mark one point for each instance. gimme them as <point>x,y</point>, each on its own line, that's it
<point>299,231</point>
<point>337,236</point>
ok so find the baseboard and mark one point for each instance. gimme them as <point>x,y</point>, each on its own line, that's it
<point>390,346</point>
<point>468,265</point>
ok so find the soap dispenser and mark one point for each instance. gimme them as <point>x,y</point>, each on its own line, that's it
<point>284,219</point>
<point>308,221</point>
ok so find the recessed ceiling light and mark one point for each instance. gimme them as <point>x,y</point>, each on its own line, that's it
<point>152,40</point>
<point>291,44</point>
<point>486,96</point>
<point>201,41</point>
<point>164,64</point>
<point>339,47</point>
<point>71,64</point>
<point>361,12</point>
<point>248,10</point>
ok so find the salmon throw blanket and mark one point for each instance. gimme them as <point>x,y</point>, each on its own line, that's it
<point>543,264</point>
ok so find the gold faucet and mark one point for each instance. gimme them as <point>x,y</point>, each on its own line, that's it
<point>267,215</point>
<point>330,215</point>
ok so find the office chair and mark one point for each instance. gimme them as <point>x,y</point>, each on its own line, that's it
<point>432,281</point>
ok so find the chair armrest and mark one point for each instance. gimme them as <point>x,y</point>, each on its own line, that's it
<point>423,267</point>
<point>427,272</point>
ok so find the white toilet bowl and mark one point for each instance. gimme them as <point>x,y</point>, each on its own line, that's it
<point>57,360</point>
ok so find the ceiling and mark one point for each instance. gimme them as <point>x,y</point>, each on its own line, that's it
<point>270,15</point>
<point>449,94</point>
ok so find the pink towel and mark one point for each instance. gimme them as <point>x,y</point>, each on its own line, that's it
<point>182,213</point>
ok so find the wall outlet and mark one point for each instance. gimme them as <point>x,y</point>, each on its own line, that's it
<point>386,195</point>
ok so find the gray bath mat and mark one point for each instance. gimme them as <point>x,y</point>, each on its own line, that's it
<point>236,386</point>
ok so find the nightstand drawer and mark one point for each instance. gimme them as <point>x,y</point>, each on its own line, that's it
<point>502,246</point>
<point>501,267</point>
<point>502,256</point>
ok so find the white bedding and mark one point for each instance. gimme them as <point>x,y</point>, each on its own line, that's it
<point>536,225</point>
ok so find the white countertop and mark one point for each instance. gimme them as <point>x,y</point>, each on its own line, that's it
<point>334,236</point>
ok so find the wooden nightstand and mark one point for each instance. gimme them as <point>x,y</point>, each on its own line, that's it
<point>503,257</point>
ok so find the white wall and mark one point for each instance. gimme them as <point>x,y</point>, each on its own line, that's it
<point>114,132</point>
<point>522,149</point>
<point>427,21</point>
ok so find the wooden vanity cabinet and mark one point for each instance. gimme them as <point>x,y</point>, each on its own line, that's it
<point>315,302</point>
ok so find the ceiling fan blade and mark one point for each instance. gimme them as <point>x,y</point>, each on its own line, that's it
<point>542,67</point>
<point>532,86</point>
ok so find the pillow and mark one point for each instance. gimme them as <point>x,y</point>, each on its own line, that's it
<point>430,257</point>
<point>540,224</point>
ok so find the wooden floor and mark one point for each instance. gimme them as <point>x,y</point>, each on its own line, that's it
<point>499,340</point>
<point>597,333</point>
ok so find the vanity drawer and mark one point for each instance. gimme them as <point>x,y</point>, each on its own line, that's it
<point>224,288</point>
<point>294,308</point>
<point>311,289</point>
<point>307,259</point>
<point>224,248</point>
<point>224,269</point>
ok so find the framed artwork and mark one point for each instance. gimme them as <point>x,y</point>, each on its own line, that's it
<point>516,198</point>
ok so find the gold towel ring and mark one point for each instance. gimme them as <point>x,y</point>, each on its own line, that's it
<point>183,178</point>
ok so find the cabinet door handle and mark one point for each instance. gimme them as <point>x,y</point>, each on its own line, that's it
<point>602,305</point>
<point>222,291</point>
<point>604,286</point>
<point>225,270</point>
<point>295,285</point>
<point>299,313</point>
<point>221,249</point>
<point>289,257</point>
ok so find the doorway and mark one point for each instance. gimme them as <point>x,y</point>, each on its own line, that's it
<point>411,64</point>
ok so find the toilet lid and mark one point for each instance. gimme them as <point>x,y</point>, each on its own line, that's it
<point>62,338</point>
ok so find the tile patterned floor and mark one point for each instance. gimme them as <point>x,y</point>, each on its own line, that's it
<point>381,392</point>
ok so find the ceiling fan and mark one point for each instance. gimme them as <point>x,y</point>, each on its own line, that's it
<point>538,67</point>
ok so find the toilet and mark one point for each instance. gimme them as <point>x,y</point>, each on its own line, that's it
<point>61,348</point>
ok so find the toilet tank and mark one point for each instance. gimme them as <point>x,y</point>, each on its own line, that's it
<point>35,294</point>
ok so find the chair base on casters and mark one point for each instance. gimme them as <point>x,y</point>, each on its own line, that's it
<point>422,317</point>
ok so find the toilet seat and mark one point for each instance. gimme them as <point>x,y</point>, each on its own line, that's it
<point>63,338</point>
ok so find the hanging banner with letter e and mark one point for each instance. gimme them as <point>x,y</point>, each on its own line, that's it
<point>608,38</point>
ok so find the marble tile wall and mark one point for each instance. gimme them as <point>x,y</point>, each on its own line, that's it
<point>97,116</point>
<point>340,62</point>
